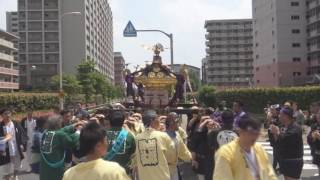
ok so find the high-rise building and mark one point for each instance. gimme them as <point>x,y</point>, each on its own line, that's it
<point>313,42</point>
<point>229,53</point>
<point>13,28</point>
<point>88,36</point>
<point>12,22</point>
<point>119,67</point>
<point>280,42</point>
<point>195,71</point>
<point>8,66</point>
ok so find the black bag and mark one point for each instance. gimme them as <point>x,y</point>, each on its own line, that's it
<point>4,156</point>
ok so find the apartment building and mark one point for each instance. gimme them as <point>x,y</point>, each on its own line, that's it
<point>313,37</point>
<point>8,66</point>
<point>119,67</point>
<point>86,34</point>
<point>228,61</point>
<point>280,42</point>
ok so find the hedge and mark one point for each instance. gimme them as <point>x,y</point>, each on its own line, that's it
<point>20,101</point>
<point>255,99</point>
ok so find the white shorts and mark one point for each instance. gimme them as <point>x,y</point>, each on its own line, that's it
<point>13,166</point>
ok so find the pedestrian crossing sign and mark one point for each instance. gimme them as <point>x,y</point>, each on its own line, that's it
<point>130,31</point>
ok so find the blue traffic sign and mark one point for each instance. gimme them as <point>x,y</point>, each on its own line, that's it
<point>130,31</point>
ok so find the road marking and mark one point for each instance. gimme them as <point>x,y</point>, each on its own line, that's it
<point>307,158</point>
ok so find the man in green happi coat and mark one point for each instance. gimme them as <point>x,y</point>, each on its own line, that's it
<point>122,144</point>
<point>54,143</point>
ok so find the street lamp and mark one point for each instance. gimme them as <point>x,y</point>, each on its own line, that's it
<point>60,53</point>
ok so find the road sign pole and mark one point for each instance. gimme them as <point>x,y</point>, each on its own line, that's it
<point>130,31</point>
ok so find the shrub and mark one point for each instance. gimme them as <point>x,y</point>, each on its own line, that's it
<point>255,99</point>
<point>207,96</point>
<point>20,101</point>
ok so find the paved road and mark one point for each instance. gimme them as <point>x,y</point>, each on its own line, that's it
<point>308,173</point>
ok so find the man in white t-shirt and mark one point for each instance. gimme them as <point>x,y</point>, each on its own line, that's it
<point>14,139</point>
<point>29,126</point>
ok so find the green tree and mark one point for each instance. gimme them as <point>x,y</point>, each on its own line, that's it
<point>87,79</point>
<point>194,80</point>
<point>207,95</point>
<point>102,85</point>
<point>71,86</point>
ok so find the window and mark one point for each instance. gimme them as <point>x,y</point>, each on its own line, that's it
<point>295,31</point>
<point>296,73</point>
<point>296,45</point>
<point>294,3</point>
<point>296,59</point>
<point>295,17</point>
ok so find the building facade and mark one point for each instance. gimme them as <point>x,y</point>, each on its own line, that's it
<point>88,36</point>
<point>12,22</point>
<point>228,62</point>
<point>119,67</point>
<point>13,28</point>
<point>280,42</point>
<point>176,68</point>
<point>313,34</point>
<point>8,66</point>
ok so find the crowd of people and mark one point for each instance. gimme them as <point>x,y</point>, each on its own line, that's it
<point>118,144</point>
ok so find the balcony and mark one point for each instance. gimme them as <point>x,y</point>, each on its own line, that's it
<point>35,26</point>
<point>22,58</point>
<point>22,26</point>
<point>22,47</point>
<point>22,16</point>
<point>35,47</point>
<point>8,71</point>
<point>35,5</point>
<point>51,26</point>
<point>6,57</point>
<point>49,4</point>
<point>52,58</point>
<point>22,36</point>
<point>35,16</point>
<point>51,15</point>
<point>52,47</point>
<point>35,58</point>
<point>51,36</point>
<point>6,43</point>
<point>9,85</point>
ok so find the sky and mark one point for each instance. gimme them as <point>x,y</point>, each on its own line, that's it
<point>183,18</point>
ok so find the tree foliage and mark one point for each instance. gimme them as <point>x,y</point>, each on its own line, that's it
<point>87,79</point>
<point>71,85</point>
<point>194,80</point>
<point>207,96</point>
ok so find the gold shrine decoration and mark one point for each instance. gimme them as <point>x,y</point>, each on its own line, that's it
<point>156,81</point>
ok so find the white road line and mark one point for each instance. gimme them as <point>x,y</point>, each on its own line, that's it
<point>307,158</point>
